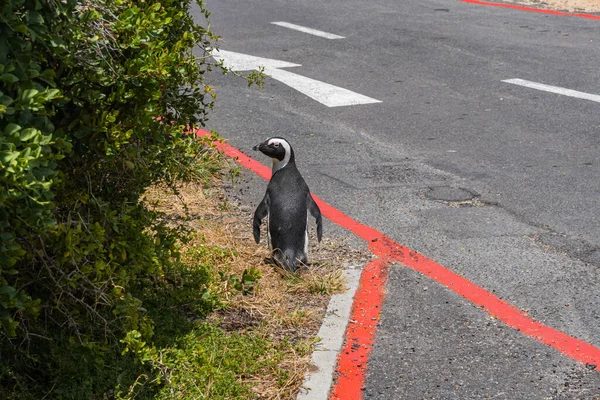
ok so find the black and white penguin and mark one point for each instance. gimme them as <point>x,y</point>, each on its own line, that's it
<point>287,203</point>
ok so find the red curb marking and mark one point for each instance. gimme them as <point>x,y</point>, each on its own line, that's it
<point>390,251</point>
<point>360,334</point>
<point>532,9</point>
<point>259,169</point>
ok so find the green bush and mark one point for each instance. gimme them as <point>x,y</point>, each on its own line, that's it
<point>95,99</point>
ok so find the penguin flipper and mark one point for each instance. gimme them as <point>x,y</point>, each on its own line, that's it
<point>261,211</point>
<point>316,213</point>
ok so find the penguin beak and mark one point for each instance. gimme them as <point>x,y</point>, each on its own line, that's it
<point>259,146</point>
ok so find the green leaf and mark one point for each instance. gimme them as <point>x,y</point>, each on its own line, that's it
<point>29,94</point>
<point>48,74</point>
<point>8,78</point>
<point>8,290</point>
<point>8,156</point>
<point>52,94</point>
<point>28,133</point>
<point>21,28</point>
<point>11,129</point>
<point>35,18</point>
<point>6,100</point>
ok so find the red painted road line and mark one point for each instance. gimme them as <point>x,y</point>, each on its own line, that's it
<point>387,249</point>
<point>498,308</point>
<point>242,159</point>
<point>390,251</point>
<point>532,9</point>
<point>360,333</point>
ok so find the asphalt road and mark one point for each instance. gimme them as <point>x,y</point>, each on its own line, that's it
<point>498,182</point>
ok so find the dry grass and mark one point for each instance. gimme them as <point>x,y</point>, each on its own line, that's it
<point>285,307</point>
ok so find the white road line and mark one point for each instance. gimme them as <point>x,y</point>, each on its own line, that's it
<point>246,62</point>
<point>317,384</point>
<point>311,31</point>
<point>554,89</point>
<point>324,93</point>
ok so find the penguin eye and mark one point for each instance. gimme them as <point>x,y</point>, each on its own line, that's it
<point>276,144</point>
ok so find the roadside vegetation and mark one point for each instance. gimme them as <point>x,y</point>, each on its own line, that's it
<point>124,272</point>
<point>257,341</point>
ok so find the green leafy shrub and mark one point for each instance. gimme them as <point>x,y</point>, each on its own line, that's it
<point>95,100</point>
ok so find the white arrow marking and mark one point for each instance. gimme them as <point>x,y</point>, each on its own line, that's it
<point>311,31</point>
<point>554,89</point>
<point>324,93</point>
<point>245,62</point>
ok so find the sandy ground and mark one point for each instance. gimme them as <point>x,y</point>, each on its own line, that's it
<point>580,6</point>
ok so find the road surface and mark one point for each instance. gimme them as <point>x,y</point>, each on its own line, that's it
<point>479,150</point>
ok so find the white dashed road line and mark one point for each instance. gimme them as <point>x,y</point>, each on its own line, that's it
<point>554,89</point>
<point>311,31</point>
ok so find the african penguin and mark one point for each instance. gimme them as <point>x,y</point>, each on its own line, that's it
<point>287,203</point>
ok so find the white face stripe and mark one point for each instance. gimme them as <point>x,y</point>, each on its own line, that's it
<point>277,165</point>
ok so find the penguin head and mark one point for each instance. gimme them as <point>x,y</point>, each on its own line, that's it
<point>279,150</point>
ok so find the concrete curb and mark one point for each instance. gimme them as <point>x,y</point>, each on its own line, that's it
<point>317,384</point>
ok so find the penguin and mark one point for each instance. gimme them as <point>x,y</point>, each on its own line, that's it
<point>287,202</point>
